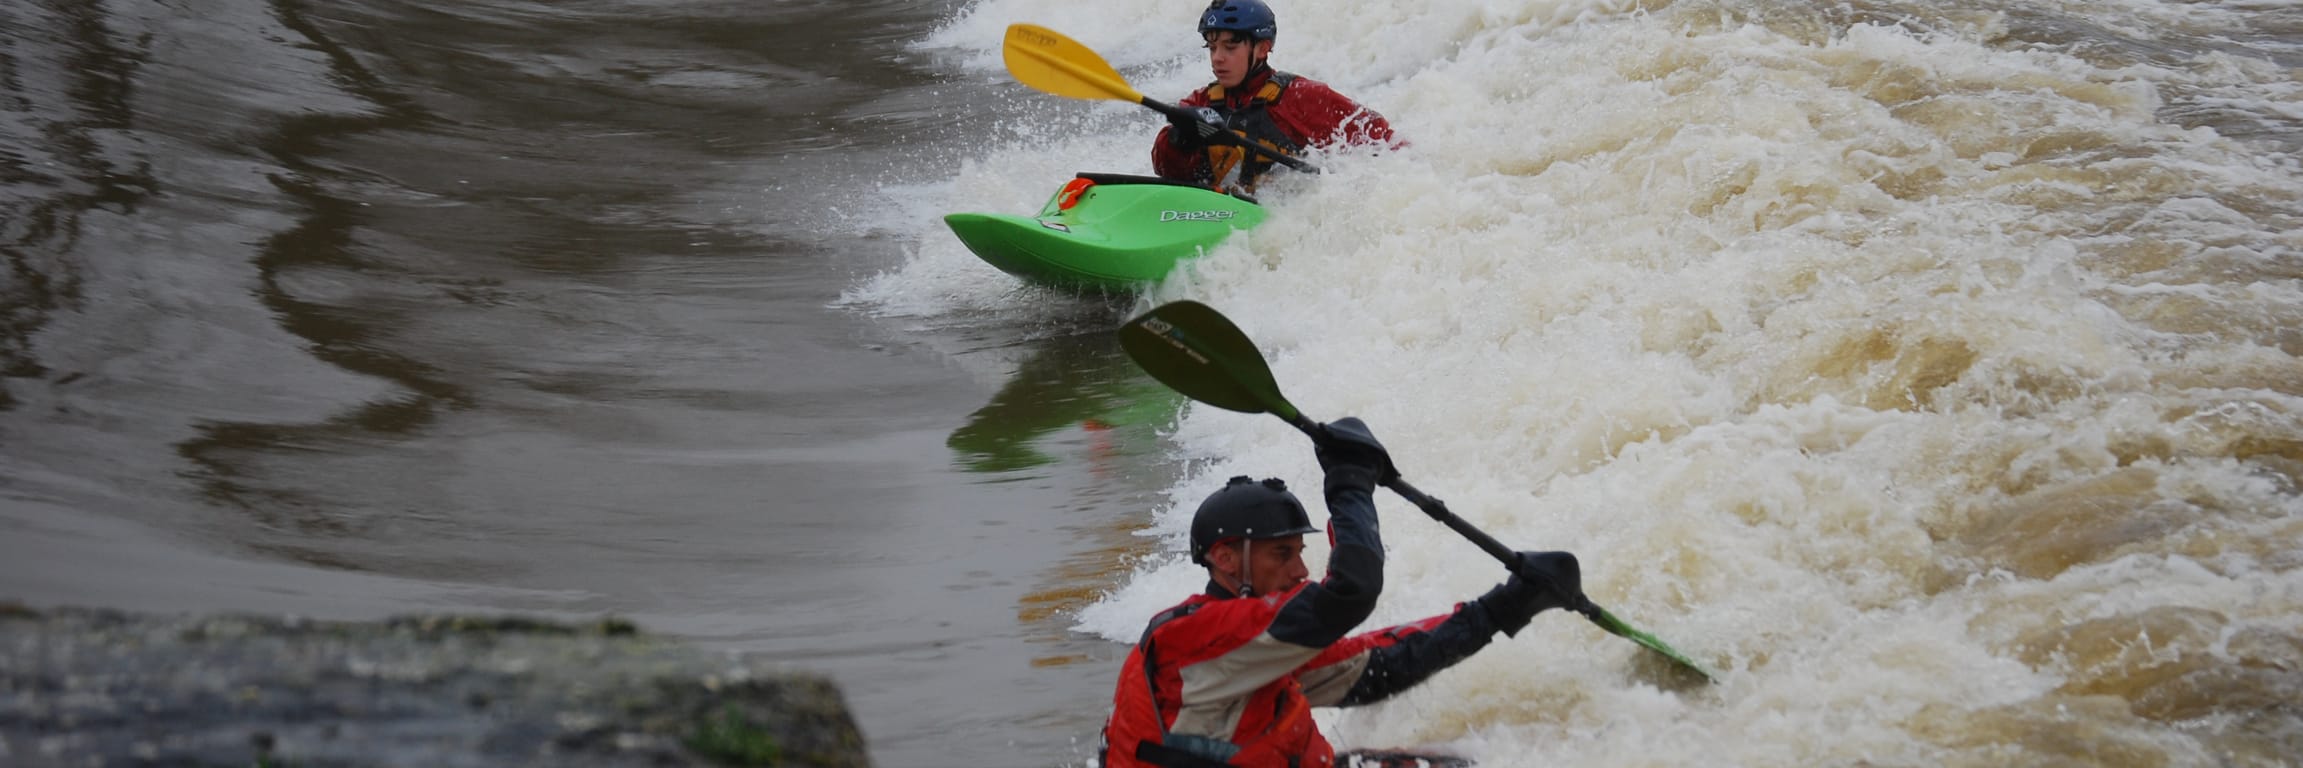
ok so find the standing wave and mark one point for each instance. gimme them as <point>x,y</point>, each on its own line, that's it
<point>1928,369</point>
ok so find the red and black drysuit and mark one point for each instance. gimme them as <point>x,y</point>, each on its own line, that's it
<point>1282,111</point>
<point>1222,680</point>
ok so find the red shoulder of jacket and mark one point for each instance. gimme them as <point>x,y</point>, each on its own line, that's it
<point>1324,116</point>
<point>1219,625</point>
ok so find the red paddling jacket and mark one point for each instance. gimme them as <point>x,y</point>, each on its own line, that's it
<point>1223,680</point>
<point>1280,110</point>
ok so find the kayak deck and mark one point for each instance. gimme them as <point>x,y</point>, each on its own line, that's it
<point>1106,231</point>
<point>1386,758</point>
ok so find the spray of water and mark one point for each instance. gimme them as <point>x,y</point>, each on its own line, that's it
<point>1928,369</point>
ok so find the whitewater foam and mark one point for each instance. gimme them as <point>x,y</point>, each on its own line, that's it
<point>1908,366</point>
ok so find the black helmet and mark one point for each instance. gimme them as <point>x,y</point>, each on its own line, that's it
<point>1250,18</point>
<point>1250,509</point>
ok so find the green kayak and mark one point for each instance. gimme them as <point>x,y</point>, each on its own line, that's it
<point>1107,232</point>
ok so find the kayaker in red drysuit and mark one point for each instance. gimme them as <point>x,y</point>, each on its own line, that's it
<point>1282,111</point>
<point>1229,677</point>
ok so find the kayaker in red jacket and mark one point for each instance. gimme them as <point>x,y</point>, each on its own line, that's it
<point>1282,111</point>
<point>1229,677</point>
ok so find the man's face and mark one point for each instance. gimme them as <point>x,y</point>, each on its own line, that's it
<point>1273,565</point>
<point>1231,56</point>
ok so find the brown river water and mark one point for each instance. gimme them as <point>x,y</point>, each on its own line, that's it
<point>1929,369</point>
<point>349,309</point>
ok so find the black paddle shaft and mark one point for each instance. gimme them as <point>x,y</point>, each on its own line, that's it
<point>1197,351</point>
<point>1233,138</point>
<point>1437,510</point>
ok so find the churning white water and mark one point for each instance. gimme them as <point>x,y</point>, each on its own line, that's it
<point>1927,369</point>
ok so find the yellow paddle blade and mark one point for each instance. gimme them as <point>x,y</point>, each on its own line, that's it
<point>1046,60</point>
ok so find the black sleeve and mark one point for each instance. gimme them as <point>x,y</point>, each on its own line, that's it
<point>1419,655</point>
<point>1323,613</point>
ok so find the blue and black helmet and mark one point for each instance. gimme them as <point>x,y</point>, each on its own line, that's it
<point>1246,508</point>
<point>1251,19</point>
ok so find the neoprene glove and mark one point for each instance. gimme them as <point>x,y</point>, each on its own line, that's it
<point>1193,129</point>
<point>1351,456</point>
<point>1555,581</point>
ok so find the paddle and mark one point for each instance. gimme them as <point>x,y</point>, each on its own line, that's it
<point>1197,351</point>
<point>1048,61</point>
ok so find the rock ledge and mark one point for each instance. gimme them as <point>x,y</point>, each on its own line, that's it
<point>95,687</point>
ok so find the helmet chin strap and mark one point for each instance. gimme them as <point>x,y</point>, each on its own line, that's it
<point>1246,572</point>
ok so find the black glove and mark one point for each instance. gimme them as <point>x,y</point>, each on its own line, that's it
<point>1193,129</point>
<point>1351,456</point>
<point>1552,580</point>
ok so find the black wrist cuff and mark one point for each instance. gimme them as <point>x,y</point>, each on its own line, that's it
<point>1496,603</point>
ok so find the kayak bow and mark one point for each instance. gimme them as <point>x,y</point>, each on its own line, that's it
<point>1106,232</point>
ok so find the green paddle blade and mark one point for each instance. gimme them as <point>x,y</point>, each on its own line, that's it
<point>1615,626</point>
<point>1197,351</point>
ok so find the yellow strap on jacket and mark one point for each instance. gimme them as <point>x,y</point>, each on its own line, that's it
<point>1248,120</point>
